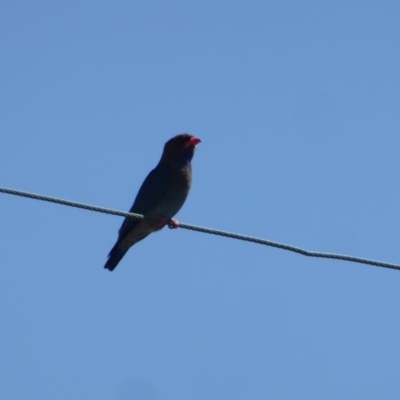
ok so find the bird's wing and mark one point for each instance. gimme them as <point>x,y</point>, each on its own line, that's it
<point>150,194</point>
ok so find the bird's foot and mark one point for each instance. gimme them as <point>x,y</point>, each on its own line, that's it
<point>161,222</point>
<point>172,223</point>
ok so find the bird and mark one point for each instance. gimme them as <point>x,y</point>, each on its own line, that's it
<point>161,196</point>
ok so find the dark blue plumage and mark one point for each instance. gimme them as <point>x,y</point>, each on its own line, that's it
<point>162,194</point>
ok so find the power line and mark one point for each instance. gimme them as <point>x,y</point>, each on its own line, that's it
<point>173,224</point>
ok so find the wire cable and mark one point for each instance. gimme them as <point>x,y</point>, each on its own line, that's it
<point>175,224</point>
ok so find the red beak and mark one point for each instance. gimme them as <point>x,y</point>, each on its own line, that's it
<point>193,141</point>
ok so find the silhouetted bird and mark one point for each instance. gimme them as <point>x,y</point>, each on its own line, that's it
<point>161,195</point>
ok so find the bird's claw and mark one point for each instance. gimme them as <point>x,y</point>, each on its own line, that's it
<point>172,223</point>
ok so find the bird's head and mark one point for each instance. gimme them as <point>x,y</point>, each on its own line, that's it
<point>180,149</point>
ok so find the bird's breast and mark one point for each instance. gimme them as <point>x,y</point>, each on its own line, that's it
<point>176,193</point>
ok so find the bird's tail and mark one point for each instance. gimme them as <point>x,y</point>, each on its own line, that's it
<point>115,257</point>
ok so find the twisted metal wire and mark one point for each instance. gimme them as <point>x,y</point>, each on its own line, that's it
<point>201,229</point>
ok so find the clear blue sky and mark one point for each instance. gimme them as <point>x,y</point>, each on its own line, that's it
<point>297,105</point>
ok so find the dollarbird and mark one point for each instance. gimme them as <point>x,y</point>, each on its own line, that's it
<point>160,197</point>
